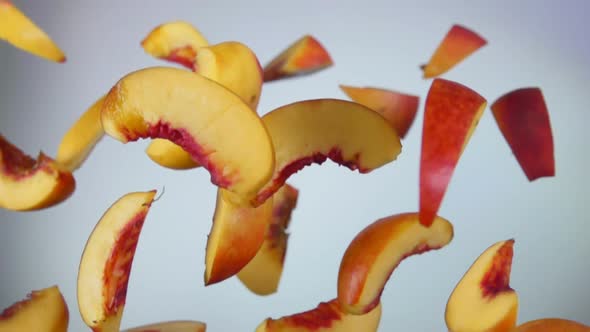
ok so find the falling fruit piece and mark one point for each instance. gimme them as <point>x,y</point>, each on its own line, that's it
<point>171,326</point>
<point>552,325</point>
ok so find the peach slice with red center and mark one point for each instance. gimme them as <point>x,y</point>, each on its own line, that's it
<point>171,326</point>
<point>483,299</point>
<point>305,56</point>
<point>312,131</point>
<point>377,250</point>
<point>27,184</point>
<point>459,43</point>
<point>107,259</point>
<point>523,119</point>
<point>552,325</point>
<point>176,41</point>
<point>399,109</point>
<point>263,274</point>
<point>17,29</point>
<point>326,317</point>
<point>207,120</point>
<point>42,311</point>
<point>451,115</point>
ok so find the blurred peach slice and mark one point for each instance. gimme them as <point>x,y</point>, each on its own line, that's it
<point>552,325</point>
<point>171,326</point>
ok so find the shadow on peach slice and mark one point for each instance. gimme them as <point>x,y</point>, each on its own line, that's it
<point>305,56</point>
<point>452,112</point>
<point>176,41</point>
<point>263,273</point>
<point>171,326</point>
<point>81,138</point>
<point>483,299</point>
<point>237,234</point>
<point>552,325</point>
<point>107,259</point>
<point>21,32</point>
<point>459,43</point>
<point>399,109</point>
<point>42,311</point>
<point>327,316</point>
<point>523,119</point>
<point>207,120</point>
<point>377,250</point>
<point>27,184</point>
<point>311,131</point>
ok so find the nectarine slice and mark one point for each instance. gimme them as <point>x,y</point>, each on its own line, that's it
<point>312,131</point>
<point>451,115</point>
<point>106,262</point>
<point>377,250</point>
<point>523,119</point>
<point>552,325</point>
<point>459,43</point>
<point>42,311</point>
<point>305,56</point>
<point>207,120</point>
<point>171,326</point>
<point>28,184</point>
<point>483,299</point>
<point>326,317</point>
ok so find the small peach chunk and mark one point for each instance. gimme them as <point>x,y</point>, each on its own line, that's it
<point>171,326</point>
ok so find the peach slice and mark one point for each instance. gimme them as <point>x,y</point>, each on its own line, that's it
<point>176,41</point>
<point>483,299</point>
<point>523,119</point>
<point>305,56</point>
<point>17,29</point>
<point>377,250</point>
<point>107,259</point>
<point>326,317</point>
<point>81,138</point>
<point>312,131</point>
<point>207,120</point>
<point>263,274</point>
<point>171,326</point>
<point>399,109</point>
<point>459,43</point>
<point>451,115</point>
<point>42,311</point>
<point>552,325</point>
<point>27,184</point>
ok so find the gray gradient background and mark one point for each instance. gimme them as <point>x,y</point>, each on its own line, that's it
<point>378,43</point>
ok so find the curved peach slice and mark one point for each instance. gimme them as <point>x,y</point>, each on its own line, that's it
<point>236,236</point>
<point>483,299</point>
<point>326,317</point>
<point>552,325</point>
<point>451,115</point>
<point>523,119</point>
<point>28,184</point>
<point>81,138</point>
<point>305,56</point>
<point>207,120</point>
<point>170,155</point>
<point>459,43</point>
<point>17,29</point>
<point>377,250</point>
<point>42,311</point>
<point>107,259</point>
<point>171,326</point>
<point>176,41</point>
<point>397,108</point>
<point>263,274</point>
<point>312,131</point>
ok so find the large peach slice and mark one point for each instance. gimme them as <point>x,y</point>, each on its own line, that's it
<point>107,259</point>
<point>552,325</point>
<point>28,184</point>
<point>42,311</point>
<point>451,115</point>
<point>312,131</point>
<point>171,326</point>
<point>459,43</point>
<point>326,317</point>
<point>483,299</point>
<point>263,274</point>
<point>523,119</point>
<point>17,29</point>
<point>207,120</point>
<point>398,108</point>
<point>377,250</point>
<point>305,56</point>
